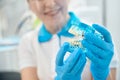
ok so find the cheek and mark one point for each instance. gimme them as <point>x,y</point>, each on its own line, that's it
<point>32,7</point>
<point>37,10</point>
<point>64,6</point>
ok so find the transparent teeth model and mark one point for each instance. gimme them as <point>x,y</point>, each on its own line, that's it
<point>79,35</point>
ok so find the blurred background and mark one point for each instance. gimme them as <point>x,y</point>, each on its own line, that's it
<point>16,19</point>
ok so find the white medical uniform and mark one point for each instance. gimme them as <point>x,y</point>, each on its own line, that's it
<point>42,55</point>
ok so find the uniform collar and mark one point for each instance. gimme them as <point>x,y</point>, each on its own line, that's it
<point>44,35</point>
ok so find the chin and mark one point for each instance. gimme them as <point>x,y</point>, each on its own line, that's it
<point>57,22</point>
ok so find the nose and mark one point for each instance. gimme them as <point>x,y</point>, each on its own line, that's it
<point>50,3</point>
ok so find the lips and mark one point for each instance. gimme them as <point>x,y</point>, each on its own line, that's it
<point>52,12</point>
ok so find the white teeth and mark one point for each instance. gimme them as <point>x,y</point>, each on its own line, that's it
<point>76,31</point>
<point>79,36</point>
<point>76,42</point>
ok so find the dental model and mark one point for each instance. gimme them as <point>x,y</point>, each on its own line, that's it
<point>79,32</point>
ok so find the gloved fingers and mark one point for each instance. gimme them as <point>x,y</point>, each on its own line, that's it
<point>82,68</point>
<point>61,54</point>
<point>78,68</point>
<point>104,32</point>
<point>94,53</point>
<point>92,57</point>
<point>102,54</point>
<point>72,59</point>
<point>85,25</point>
<point>97,41</point>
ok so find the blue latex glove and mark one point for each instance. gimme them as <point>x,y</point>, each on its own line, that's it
<point>100,52</point>
<point>72,68</point>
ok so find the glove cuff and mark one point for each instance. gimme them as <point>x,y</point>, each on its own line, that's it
<point>98,73</point>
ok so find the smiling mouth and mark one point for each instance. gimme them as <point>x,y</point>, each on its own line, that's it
<point>52,12</point>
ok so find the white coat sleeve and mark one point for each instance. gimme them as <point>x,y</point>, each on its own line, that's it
<point>25,52</point>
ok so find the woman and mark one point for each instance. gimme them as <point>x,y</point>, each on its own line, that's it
<point>40,48</point>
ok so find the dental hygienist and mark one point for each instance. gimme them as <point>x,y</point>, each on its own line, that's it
<point>42,51</point>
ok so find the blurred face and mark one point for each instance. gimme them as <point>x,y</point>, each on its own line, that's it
<point>53,13</point>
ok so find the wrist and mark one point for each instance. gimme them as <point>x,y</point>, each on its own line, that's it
<point>99,73</point>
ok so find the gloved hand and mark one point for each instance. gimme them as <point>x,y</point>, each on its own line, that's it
<point>72,68</point>
<point>100,52</point>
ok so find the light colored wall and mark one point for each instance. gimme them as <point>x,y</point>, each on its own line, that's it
<point>111,18</point>
<point>113,24</point>
<point>10,14</point>
<point>13,10</point>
